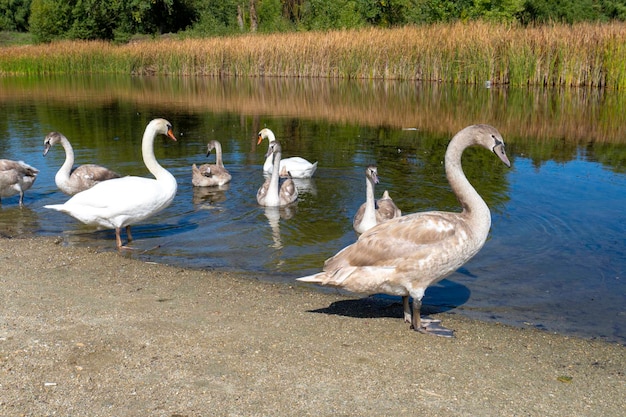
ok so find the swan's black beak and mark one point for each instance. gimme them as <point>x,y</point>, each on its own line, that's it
<point>499,150</point>
<point>46,148</point>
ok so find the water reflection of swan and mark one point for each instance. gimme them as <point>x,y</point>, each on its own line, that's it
<point>210,195</point>
<point>407,254</point>
<point>306,186</point>
<point>295,166</point>
<point>121,202</point>
<point>269,194</point>
<point>18,221</point>
<point>373,211</point>
<point>274,214</point>
<point>209,175</point>
<point>83,177</point>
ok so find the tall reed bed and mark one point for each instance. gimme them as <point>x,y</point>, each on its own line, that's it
<point>591,55</point>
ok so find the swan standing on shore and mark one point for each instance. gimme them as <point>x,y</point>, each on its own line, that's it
<point>72,181</point>
<point>121,202</point>
<point>406,255</point>
<point>15,178</point>
<point>373,211</point>
<point>270,194</point>
<point>295,166</point>
<point>210,175</point>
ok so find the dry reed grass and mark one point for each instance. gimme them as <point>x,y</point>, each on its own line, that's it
<point>589,55</point>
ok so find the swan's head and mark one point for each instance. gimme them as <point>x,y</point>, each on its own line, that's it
<point>163,127</point>
<point>489,137</point>
<point>371,172</point>
<point>274,148</point>
<point>265,134</point>
<point>50,140</point>
<point>210,146</point>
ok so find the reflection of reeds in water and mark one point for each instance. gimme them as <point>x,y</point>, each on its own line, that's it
<point>555,55</point>
<point>574,115</point>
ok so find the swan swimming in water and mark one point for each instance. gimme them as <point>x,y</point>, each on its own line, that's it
<point>210,175</point>
<point>15,178</point>
<point>121,202</point>
<point>405,255</point>
<point>269,194</point>
<point>373,211</point>
<point>83,177</point>
<point>294,167</point>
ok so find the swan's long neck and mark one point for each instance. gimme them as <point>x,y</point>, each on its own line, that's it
<point>272,191</point>
<point>218,154</point>
<point>369,214</point>
<point>147,152</point>
<point>63,174</point>
<point>474,207</point>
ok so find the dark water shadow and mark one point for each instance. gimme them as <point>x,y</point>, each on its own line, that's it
<point>444,296</point>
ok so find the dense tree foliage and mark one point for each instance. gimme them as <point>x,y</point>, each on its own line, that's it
<point>120,19</point>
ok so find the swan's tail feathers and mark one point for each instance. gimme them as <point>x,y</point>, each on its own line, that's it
<point>57,207</point>
<point>316,279</point>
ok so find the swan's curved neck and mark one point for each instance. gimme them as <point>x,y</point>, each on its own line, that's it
<point>370,204</point>
<point>218,154</point>
<point>64,172</point>
<point>147,153</point>
<point>474,207</point>
<point>272,191</point>
<point>270,136</point>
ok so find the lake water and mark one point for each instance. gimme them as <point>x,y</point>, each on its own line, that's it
<point>555,258</point>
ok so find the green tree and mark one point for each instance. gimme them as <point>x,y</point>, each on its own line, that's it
<point>49,19</point>
<point>332,14</point>
<point>561,11</point>
<point>14,15</point>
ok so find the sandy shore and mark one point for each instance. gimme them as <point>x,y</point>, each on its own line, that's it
<point>98,334</point>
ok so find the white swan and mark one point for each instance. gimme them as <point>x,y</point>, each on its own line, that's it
<point>405,255</point>
<point>210,175</point>
<point>295,166</point>
<point>72,181</point>
<point>15,178</point>
<point>121,202</point>
<point>269,194</point>
<point>373,211</point>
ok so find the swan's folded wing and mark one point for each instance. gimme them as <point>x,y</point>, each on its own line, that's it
<point>391,242</point>
<point>95,173</point>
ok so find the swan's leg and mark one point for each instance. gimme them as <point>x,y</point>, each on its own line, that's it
<point>21,198</point>
<point>128,235</point>
<point>407,309</point>
<point>427,325</point>
<point>118,239</point>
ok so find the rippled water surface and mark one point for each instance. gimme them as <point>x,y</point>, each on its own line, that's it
<point>556,254</point>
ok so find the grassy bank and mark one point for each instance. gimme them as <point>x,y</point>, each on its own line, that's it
<point>589,55</point>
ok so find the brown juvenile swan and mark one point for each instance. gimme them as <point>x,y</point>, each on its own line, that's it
<point>210,175</point>
<point>15,178</point>
<point>72,181</point>
<point>406,255</point>
<point>269,194</point>
<point>373,211</point>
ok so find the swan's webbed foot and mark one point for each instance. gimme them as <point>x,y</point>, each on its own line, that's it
<point>434,327</point>
<point>425,324</point>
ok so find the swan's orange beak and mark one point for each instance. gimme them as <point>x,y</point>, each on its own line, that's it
<point>260,139</point>
<point>170,134</point>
